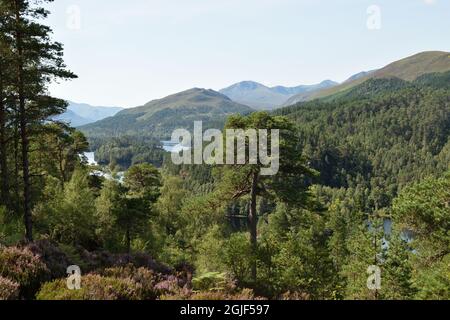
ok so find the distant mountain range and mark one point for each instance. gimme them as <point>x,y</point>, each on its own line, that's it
<point>160,117</point>
<point>79,114</point>
<point>408,69</point>
<point>261,97</point>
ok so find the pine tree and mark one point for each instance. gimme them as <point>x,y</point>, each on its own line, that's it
<point>5,109</point>
<point>423,209</point>
<point>398,278</point>
<point>365,247</point>
<point>140,192</point>
<point>35,62</point>
<point>288,185</point>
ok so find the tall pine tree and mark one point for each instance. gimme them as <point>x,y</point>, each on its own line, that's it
<point>35,62</point>
<point>288,185</point>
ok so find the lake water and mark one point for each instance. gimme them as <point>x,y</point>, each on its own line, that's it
<point>173,146</point>
<point>119,176</point>
<point>91,158</point>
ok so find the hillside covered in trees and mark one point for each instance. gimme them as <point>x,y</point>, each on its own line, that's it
<point>159,118</point>
<point>363,182</point>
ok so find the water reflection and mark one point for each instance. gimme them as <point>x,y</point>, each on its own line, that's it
<point>174,146</point>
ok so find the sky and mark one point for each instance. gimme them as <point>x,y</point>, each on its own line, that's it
<point>127,53</point>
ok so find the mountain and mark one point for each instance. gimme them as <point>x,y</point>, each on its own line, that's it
<point>71,117</point>
<point>261,97</point>
<point>408,69</point>
<point>359,75</point>
<point>305,88</point>
<point>160,117</point>
<point>92,113</point>
<point>79,114</point>
<point>305,96</point>
<point>254,94</point>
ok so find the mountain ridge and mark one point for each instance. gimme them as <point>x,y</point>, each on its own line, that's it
<point>72,118</point>
<point>79,114</point>
<point>261,97</point>
<point>161,116</point>
<point>409,69</point>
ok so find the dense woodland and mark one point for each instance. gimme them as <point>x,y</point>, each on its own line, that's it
<point>363,181</point>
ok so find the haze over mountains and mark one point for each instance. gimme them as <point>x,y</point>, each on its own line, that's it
<point>79,114</point>
<point>261,97</point>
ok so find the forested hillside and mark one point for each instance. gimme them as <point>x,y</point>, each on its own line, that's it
<point>159,118</point>
<point>378,136</point>
<point>134,135</point>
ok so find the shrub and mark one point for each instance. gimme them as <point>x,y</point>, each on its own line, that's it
<point>208,286</point>
<point>145,279</point>
<point>210,281</point>
<point>294,296</point>
<point>93,287</point>
<point>9,290</point>
<point>55,259</point>
<point>68,216</point>
<point>118,283</point>
<point>23,267</point>
<point>245,294</point>
<point>11,227</point>
<point>209,257</point>
<point>237,255</point>
<point>91,261</point>
<point>169,286</point>
<point>141,260</point>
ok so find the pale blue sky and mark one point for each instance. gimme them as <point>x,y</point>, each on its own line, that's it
<point>128,52</point>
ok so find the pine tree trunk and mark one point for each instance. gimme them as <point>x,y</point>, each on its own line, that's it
<point>61,167</point>
<point>23,133</point>
<point>128,241</point>
<point>16,165</point>
<point>26,173</point>
<point>4,193</point>
<point>376,249</point>
<point>253,222</point>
